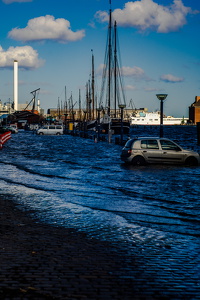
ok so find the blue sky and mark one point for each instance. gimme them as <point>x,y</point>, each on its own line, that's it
<point>52,41</point>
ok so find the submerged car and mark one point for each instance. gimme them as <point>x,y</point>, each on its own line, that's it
<point>50,130</point>
<point>13,128</point>
<point>147,150</point>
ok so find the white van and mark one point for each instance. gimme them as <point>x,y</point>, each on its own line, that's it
<point>50,130</point>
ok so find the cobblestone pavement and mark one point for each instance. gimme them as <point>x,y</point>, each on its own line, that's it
<point>39,261</point>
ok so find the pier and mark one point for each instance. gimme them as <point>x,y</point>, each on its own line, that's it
<point>97,136</point>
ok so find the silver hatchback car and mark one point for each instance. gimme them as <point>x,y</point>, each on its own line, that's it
<point>144,150</point>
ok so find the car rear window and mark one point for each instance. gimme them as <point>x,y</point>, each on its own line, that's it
<point>149,144</point>
<point>129,143</point>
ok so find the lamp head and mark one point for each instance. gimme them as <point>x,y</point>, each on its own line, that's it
<point>122,106</point>
<point>161,96</point>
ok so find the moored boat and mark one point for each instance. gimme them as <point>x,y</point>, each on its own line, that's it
<point>153,118</point>
<point>4,137</point>
<point>116,126</point>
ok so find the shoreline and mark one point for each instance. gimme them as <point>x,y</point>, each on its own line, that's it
<point>40,261</point>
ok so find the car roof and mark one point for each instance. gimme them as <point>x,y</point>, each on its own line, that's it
<point>150,138</point>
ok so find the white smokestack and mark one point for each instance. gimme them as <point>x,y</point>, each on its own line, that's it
<point>15,85</point>
<point>38,105</point>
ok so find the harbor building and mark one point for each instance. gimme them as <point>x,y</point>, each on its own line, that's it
<point>194,111</point>
<point>83,114</point>
<point>5,110</point>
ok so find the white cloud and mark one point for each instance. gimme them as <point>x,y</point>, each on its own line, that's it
<point>136,72</point>
<point>26,56</point>
<point>99,70</point>
<point>146,14</point>
<point>46,28</point>
<point>130,87</point>
<point>150,89</point>
<point>171,78</point>
<point>133,72</point>
<point>12,1</point>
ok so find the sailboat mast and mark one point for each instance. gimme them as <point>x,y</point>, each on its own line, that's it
<point>109,59</point>
<point>66,100</point>
<point>93,100</point>
<point>80,104</point>
<point>115,68</point>
<point>72,106</point>
<point>89,99</point>
<point>58,108</point>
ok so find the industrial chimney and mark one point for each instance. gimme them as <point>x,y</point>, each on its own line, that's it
<point>38,106</point>
<point>15,91</point>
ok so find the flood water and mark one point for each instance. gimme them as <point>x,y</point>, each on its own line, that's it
<point>74,182</point>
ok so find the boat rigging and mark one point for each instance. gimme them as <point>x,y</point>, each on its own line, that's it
<point>112,80</point>
<point>33,100</point>
<point>112,87</point>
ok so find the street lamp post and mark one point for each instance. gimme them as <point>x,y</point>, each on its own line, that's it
<point>161,97</point>
<point>98,123</point>
<point>122,106</point>
<point>73,122</point>
<point>66,123</point>
<point>84,123</point>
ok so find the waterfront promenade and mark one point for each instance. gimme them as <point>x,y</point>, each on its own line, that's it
<point>43,262</point>
<point>40,261</point>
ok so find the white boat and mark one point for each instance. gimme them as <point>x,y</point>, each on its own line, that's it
<point>153,118</point>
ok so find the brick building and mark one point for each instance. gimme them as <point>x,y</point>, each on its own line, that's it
<point>194,111</point>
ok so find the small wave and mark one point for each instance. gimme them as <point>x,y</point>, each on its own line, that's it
<point>30,186</point>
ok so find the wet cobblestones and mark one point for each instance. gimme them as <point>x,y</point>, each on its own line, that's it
<point>43,262</point>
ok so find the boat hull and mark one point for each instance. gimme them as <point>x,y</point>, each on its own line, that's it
<point>116,127</point>
<point>4,137</point>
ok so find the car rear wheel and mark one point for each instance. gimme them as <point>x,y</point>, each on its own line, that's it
<point>138,161</point>
<point>58,133</point>
<point>41,133</point>
<point>191,161</point>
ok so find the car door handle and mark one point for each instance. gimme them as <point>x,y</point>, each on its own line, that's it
<point>164,152</point>
<point>144,151</point>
